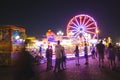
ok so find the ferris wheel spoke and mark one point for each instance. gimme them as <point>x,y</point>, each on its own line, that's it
<point>90,32</point>
<point>84,20</point>
<point>80,20</point>
<point>77,34</point>
<point>69,27</point>
<point>77,21</point>
<point>91,28</point>
<point>89,24</point>
<point>73,29</point>
<point>74,24</point>
<point>74,34</point>
<point>94,36</point>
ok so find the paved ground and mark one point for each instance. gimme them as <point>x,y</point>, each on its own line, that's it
<point>72,72</point>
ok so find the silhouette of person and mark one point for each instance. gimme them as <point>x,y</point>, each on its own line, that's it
<point>86,53</point>
<point>40,50</point>
<point>111,55</point>
<point>58,55</point>
<point>93,51</point>
<point>49,53</point>
<point>63,62</point>
<point>77,55</point>
<point>24,65</point>
<point>100,50</point>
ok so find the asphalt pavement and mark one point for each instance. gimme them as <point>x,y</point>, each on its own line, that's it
<point>92,71</point>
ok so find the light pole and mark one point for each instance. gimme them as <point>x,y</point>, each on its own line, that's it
<point>60,34</point>
<point>97,32</point>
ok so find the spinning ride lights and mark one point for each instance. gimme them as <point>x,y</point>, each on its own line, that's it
<point>82,26</point>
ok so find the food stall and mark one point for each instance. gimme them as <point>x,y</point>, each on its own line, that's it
<point>11,39</point>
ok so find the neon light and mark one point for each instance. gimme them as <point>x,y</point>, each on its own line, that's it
<point>81,24</point>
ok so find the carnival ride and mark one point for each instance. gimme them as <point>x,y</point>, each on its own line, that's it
<point>82,29</point>
<point>82,26</point>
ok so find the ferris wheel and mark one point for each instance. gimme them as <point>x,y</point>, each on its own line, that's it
<point>82,25</point>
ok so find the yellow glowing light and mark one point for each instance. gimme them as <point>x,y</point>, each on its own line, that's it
<point>97,31</point>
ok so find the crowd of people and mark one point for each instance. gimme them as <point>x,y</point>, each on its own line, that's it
<point>109,53</point>
<point>60,61</point>
<point>25,61</point>
<point>104,53</point>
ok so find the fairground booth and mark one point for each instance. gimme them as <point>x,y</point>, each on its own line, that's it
<point>11,39</point>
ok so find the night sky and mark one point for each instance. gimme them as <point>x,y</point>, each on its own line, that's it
<point>37,16</point>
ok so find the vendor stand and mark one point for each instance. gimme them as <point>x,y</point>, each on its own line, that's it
<point>11,39</point>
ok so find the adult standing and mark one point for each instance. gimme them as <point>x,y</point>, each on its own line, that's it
<point>118,55</point>
<point>76,51</point>
<point>93,51</point>
<point>111,55</point>
<point>58,55</point>
<point>24,65</point>
<point>49,52</point>
<point>40,50</point>
<point>100,50</point>
<point>63,58</point>
<point>86,53</point>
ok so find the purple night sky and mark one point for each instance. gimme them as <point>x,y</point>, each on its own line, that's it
<point>37,16</point>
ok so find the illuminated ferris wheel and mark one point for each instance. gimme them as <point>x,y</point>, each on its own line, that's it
<point>81,26</point>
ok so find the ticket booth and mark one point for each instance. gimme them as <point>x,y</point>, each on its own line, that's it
<point>11,40</point>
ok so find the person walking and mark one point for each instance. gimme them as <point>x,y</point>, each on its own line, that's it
<point>76,51</point>
<point>100,50</point>
<point>86,53</point>
<point>93,51</point>
<point>58,56</point>
<point>111,56</point>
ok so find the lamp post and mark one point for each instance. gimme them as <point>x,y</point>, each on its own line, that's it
<point>60,34</point>
<point>97,32</point>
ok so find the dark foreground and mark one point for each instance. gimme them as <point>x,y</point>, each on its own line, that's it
<point>82,72</point>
